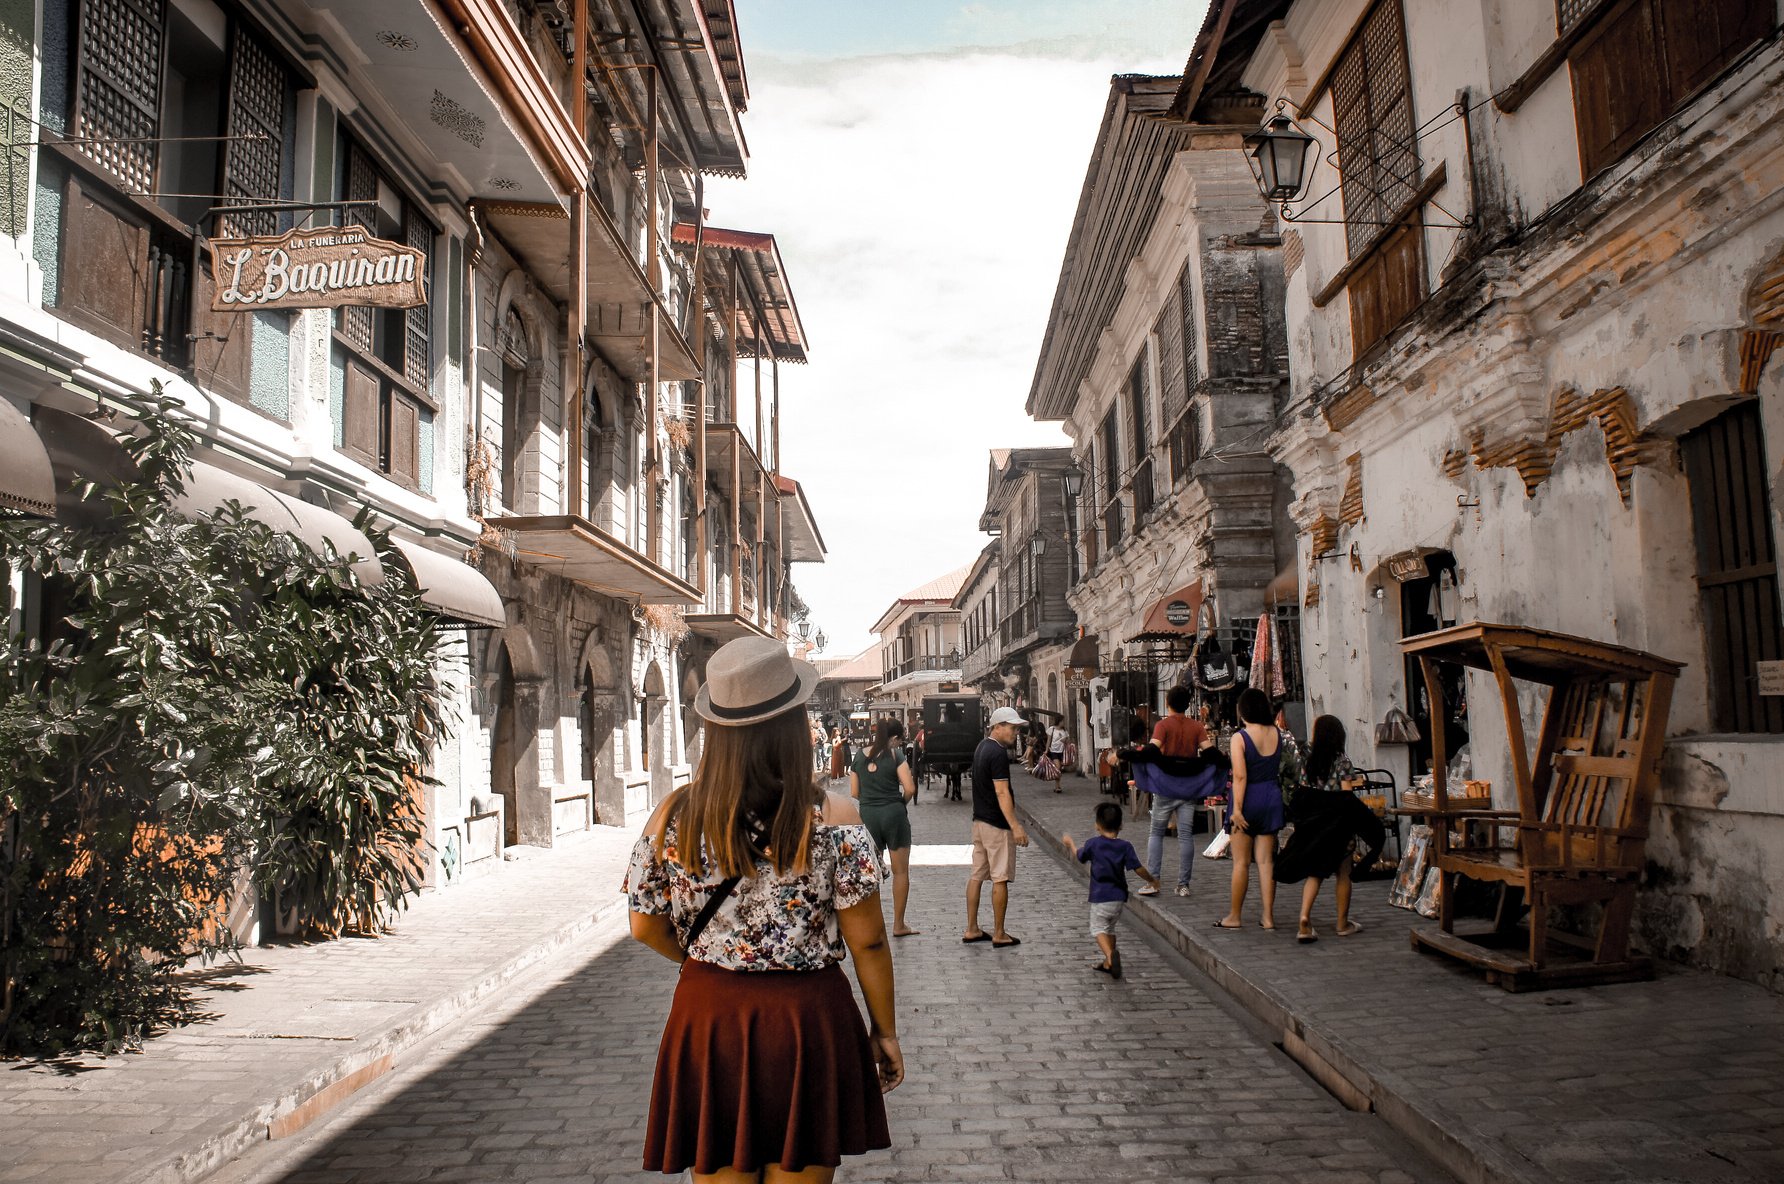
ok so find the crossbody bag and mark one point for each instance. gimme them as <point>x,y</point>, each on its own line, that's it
<point>758,844</point>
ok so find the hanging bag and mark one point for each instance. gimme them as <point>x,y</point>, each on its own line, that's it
<point>1396,728</point>
<point>758,844</point>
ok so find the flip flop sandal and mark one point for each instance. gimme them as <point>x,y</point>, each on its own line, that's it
<point>1004,945</point>
<point>1115,967</point>
<point>1102,969</point>
<point>1218,925</point>
<point>1308,937</point>
<point>913,933</point>
<point>1352,931</point>
<point>970,940</point>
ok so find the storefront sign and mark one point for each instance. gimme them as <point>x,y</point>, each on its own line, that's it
<point>1408,565</point>
<point>1771,678</point>
<point>327,267</point>
<point>1177,613</point>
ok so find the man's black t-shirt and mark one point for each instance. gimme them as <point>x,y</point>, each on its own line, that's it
<point>991,763</point>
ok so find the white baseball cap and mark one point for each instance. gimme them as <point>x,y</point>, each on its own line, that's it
<point>1006,715</point>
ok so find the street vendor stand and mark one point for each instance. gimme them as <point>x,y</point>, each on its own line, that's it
<point>1583,802</point>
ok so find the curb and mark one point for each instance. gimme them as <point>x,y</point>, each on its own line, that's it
<point>366,1059</point>
<point>1330,1061</point>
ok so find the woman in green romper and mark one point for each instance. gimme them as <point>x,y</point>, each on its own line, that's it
<point>881,779</point>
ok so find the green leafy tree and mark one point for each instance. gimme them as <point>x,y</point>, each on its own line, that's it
<point>212,708</point>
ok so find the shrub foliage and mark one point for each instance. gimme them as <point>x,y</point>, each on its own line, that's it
<point>211,709</point>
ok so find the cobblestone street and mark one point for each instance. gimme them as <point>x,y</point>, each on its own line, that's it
<point>1023,1065</point>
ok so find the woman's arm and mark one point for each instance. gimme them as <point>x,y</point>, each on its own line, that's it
<point>1239,774</point>
<point>854,784</point>
<point>657,931</point>
<point>906,780</point>
<point>864,932</point>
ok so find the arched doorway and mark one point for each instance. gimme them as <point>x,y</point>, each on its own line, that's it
<point>502,746</point>
<point>596,711</point>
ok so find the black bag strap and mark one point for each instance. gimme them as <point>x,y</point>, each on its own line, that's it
<point>758,841</point>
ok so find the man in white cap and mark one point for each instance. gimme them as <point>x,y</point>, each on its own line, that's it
<point>996,830</point>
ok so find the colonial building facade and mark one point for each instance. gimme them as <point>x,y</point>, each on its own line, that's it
<point>920,643</point>
<point>1165,361</point>
<point>574,440</point>
<point>1533,293</point>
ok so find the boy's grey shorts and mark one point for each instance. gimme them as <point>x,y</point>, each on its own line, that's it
<point>1104,914</point>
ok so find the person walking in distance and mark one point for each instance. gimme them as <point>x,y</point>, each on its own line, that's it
<point>1110,858</point>
<point>1257,808</point>
<point>1178,735</point>
<point>839,753</point>
<point>996,830</point>
<point>754,880</point>
<point>880,780</point>
<point>1056,739</point>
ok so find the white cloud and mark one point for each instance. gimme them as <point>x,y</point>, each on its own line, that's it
<point>922,204</point>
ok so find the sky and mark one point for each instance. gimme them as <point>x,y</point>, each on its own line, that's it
<point>919,162</point>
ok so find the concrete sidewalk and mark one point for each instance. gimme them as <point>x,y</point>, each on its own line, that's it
<point>1680,1079</point>
<point>296,1029</point>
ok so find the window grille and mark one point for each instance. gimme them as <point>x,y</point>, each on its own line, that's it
<point>256,129</point>
<point>1372,102</point>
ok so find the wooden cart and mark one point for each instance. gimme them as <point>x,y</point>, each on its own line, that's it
<point>1583,802</point>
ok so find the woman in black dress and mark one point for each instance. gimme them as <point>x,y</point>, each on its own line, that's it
<point>1330,821</point>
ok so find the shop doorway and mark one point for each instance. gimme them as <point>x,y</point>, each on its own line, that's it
<point>654,751</point>
<point>1429,602</point>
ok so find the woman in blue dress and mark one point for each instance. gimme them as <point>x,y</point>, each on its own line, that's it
<point>1257,806</point>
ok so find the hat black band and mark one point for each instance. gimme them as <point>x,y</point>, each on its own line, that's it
<point>784,699</point>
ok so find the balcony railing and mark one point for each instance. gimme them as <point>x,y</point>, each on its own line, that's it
<point>920,663</point>
<point>1020,621</point>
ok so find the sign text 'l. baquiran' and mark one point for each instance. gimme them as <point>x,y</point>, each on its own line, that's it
<point>325,267</point>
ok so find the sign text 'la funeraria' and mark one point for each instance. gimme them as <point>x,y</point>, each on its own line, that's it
<point>322,268</point>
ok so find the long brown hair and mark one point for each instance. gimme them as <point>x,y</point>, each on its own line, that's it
<point>762,770</point>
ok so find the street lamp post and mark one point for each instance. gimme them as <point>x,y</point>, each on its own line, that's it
<point>1277,154</point>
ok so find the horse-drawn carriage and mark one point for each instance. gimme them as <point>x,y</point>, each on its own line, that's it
<point>953,725</point>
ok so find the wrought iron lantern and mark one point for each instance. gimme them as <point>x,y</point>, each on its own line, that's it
<point>1074,482</point>
<point>1277,153</point>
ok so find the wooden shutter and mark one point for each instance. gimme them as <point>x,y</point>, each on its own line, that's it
<point>1737,569</point>
<point>105,250</point>
<point>405,438</point>
<point>1140,410</point>
<point>222,345</point>
<point>1618,83</point>
<point>417,356</point>
<point>1385,290</point>
<point>1643,58</point>
<point>1174,393</point>
<point>1192,371</point>
<point>253,154</point>
<point>1702,37</point>
<point>359,414</point>
<point>117,96</point>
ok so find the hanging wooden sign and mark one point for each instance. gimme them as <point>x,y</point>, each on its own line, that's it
<point>324,267</point>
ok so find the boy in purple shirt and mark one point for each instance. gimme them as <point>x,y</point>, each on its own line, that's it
<point>1110,858</point>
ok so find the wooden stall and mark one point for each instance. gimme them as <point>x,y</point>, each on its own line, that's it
<point>1584,796</point>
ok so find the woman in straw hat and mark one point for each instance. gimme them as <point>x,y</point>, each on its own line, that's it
<point>755,880</point>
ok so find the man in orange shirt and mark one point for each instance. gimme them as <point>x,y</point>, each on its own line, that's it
<point>1177,734</point>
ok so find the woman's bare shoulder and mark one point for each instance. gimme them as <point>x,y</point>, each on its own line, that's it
<point>840,809</point>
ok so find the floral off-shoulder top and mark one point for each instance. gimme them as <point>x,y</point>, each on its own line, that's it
<point>770,921</point>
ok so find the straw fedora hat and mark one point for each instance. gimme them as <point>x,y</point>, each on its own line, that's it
<point>753,679</point>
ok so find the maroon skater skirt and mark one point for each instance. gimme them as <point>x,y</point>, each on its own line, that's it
<point>759,1068</point>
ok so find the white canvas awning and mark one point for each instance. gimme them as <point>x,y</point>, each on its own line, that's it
<point>27,482</point>
<point>210,487</point>
<point>453,588</point>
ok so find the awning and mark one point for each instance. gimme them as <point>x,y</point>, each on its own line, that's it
<point>27,482</point>
<point>79,451</point>
<point>576,549</point>
<point>210,487</point>
<point>803,542</point>
<point>767,325</point>
<point>453,588</point>
<point>1085,655</point>
<point>1172,616</point>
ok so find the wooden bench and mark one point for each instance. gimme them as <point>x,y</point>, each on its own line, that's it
<point>1583,803</point>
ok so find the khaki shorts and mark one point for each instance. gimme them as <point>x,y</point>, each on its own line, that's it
<point>994,854</point>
